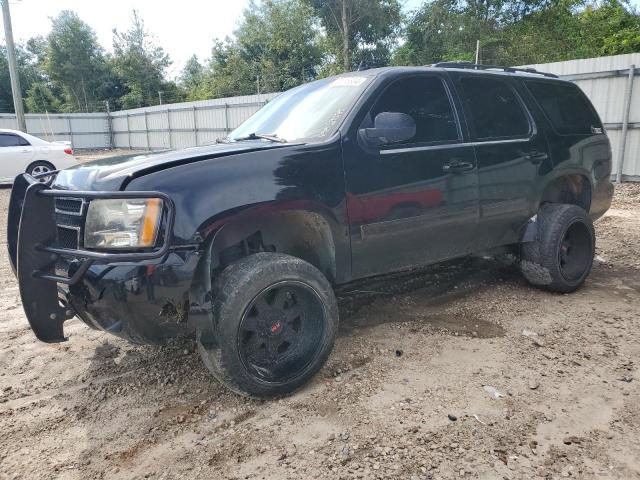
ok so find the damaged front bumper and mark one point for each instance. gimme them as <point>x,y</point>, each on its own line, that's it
<point>58,279</point>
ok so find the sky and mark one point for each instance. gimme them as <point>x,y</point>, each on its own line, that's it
<point>182,28</point>
<point>174,25</point>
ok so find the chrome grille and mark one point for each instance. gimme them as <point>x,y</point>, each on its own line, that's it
<point>70,206</point>
<point>69,213</point>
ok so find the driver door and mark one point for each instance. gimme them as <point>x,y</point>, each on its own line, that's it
<point>414,202</point>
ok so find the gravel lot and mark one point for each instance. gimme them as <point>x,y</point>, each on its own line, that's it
<point>459,371</point>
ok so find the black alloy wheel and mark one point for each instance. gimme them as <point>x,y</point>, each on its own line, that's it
<point>280,331</point>
<point>559,259</point>
<point>275,319</point>
<point>574,254</point>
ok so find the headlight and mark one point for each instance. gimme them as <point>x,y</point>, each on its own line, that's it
<point>122,223</point>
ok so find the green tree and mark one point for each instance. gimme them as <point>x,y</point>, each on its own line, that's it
<point>192,76</point>
<point>229,73</point>
<point>611,28</point>
<point>276,47</point>
<point>75,63</point>
<point>141,66</point>
<point>359,32</point>
<point>518,32</point>
<point>37,50</point>
<point>40,98</point>
<point>449,29</point>
<point>547,35</point>
<point>436,32</point>
<point>568,29</point>
<point>28,70</point>
<point>279,38</point>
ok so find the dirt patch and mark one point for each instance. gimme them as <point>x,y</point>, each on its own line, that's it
<point>455,371</point>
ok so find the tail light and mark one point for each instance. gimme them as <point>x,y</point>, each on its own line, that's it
<point>68,151</point>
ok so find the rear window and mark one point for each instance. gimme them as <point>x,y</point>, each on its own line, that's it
<point>495,109</point>
<point>566,107</point>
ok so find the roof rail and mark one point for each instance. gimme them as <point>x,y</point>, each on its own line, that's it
<point>476,66</point>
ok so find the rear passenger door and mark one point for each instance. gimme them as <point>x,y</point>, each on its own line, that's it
<point>509,150</point>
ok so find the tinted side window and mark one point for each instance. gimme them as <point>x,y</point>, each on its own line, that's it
<point>495,110</point>
<point>425,99</point>
<point>9,140</point>
<point>566,107</point>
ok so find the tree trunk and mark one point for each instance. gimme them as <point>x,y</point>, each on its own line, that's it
<point>77,98</point>
<point>84,92</point>
<point>345,38</point>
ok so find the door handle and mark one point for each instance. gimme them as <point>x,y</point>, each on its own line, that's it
<point>457,166</point>
<point>536,157</point>
<point>25,150</point>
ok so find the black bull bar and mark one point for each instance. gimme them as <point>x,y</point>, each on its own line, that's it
<point>33,254</point>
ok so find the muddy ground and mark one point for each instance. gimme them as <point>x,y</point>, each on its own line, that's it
<point>461,371</point>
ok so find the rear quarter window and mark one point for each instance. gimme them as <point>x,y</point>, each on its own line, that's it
<point>566,107</point>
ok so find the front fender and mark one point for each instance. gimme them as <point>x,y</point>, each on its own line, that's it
<point>245,188</point>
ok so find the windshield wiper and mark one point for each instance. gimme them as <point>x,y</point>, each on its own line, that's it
<point>272,137</point>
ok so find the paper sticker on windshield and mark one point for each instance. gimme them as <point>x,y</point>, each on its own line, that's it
<point>348,82</point>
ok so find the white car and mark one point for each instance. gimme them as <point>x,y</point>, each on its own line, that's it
<point>21,152</point>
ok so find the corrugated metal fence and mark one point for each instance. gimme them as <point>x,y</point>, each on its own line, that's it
<point>83,130</point>
<point>181,125</point>
<point>612,84</point>
<point>614,89</point>
<point>176,125</point>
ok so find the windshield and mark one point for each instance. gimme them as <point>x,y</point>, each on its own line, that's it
<point>309,112</point>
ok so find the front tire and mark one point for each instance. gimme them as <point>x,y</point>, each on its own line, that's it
<point>275,322</point>
<point>561,256</point>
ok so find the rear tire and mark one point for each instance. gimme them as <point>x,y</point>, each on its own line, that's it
<point>561,256</point>
<point>275,322</point>
<point>40,167</point>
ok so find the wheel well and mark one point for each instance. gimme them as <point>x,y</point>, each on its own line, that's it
<point>573,189</point>
<point>303,234</point>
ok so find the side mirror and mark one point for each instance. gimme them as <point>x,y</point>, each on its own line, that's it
<point>391,127</point>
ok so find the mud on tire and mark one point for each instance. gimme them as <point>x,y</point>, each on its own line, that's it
<point>275,322</point>
<point>561,256</point>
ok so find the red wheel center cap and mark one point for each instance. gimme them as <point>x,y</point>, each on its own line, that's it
<point>276,327</point>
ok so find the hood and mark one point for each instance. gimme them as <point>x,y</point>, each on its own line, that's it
<point>113,173</point>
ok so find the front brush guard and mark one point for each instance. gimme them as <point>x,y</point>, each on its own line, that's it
<point>31,239</point>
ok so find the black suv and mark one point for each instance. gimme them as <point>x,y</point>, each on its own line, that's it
<point>343,178</point>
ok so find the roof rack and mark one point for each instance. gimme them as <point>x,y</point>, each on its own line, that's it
<point>476,66</point>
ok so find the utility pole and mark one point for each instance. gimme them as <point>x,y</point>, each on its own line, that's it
<point>345,38</point>
<point>13,67</point>
<point>160,96</point>
<point>477,52</point>
<point>108,109</point>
